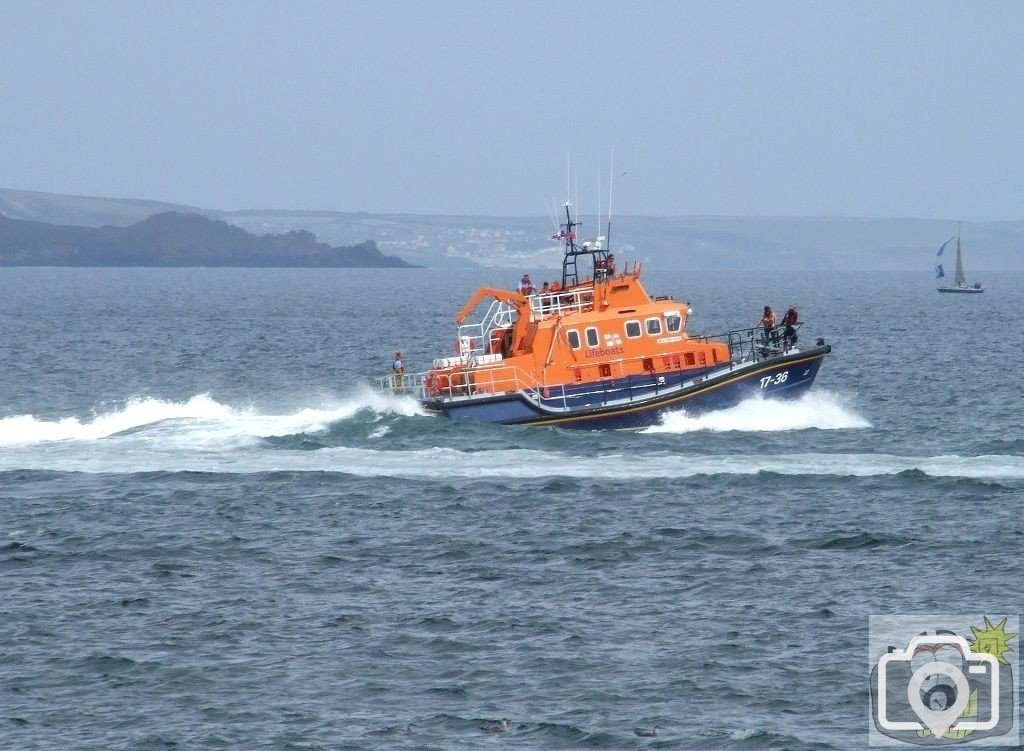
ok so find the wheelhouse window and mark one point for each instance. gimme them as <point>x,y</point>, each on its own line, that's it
<point>632,329</point>
<point>673,322</point>
<point>574,338</point>
<point>592,338</point>
<point>653,326</point>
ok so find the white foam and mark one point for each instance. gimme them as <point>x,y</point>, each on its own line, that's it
<point>820,410</point>
<point>137,412</point>
<point>127,456</point>
<point>203,435</point>
<point>200,421</point>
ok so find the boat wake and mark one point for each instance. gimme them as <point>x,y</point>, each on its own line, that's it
<point>821,410</point>
<point>199,421</point>
<point>447,464</point>
<point>203,435</point>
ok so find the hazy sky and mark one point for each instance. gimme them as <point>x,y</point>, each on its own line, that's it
<point>765,108</point>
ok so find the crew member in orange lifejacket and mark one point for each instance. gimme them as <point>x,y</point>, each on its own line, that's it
<point>767,322</point>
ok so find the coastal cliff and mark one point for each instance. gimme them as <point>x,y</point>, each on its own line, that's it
<point>177,239</point>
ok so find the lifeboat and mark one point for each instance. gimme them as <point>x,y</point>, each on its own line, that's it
<point>600,352</point>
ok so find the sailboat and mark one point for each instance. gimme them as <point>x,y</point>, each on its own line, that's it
<point>960,284</point>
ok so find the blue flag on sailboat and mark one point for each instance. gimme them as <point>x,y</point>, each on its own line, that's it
<point>943,246</point>
<point>939,273</point>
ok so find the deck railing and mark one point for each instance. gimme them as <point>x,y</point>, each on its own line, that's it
<point>756,343</point>
<point>745,346</point>
<point>560,303</point>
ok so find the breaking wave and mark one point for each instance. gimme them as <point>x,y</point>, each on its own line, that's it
<point>126,457</point>
<point>819,410</point>
<point>200,419</point>
<point>203,435</point>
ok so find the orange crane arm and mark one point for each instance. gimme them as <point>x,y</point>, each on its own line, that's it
<point>497,294</point>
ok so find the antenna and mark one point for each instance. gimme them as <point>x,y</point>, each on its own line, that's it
<point>611,183</point>
<point>598,222</point>
<point>568,163</point>
<point>553,212</point>
<point>576,199</point>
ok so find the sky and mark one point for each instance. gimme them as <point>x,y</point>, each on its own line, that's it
<point>873,109</point>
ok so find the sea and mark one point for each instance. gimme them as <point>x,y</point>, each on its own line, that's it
<point>215,533</point>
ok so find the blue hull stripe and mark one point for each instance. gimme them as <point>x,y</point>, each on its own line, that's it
<point>717,393</point>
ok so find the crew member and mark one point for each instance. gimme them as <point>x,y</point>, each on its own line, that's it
<point>398,370</point>
<point>767,322</point>
<point>789,320</point>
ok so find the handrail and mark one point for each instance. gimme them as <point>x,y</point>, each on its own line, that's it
<point>474,338</point>
<point>757,342</point>
<point>402,384</point>
<point>500,315</point>
<point>746,346</point>
<point>562,302</point>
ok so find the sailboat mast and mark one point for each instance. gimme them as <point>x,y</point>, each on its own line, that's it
<point>960,280</point>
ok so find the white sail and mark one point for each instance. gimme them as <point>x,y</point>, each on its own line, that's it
<point>961,281</point>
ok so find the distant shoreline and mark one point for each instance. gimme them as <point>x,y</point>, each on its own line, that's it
<point>239,268</point>
<point>739,243</point>
<point>176,240</point>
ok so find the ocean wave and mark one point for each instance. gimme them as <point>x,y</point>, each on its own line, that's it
<point>821,410</point>
<point>442,464</point>
<point>200,420</point>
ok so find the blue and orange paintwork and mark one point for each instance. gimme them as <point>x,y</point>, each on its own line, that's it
<point>536,372</point>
